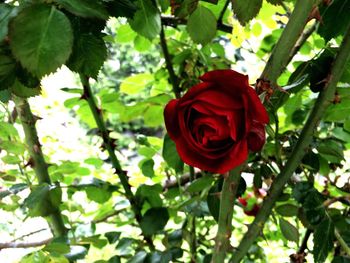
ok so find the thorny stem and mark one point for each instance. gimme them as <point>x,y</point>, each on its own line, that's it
<point>110,147</point>
<point>323,100</point>
<point>39,164</point>
<point>173,78</point>
<point>281,53</point>
<point>228,194</point>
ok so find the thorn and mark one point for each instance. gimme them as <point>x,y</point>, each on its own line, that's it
<point>30,163</point>
<point>36,118</point>
<point>315,14</point>
<point>84,96</point>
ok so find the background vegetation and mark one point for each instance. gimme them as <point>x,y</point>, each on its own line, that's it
<point>87,172</point>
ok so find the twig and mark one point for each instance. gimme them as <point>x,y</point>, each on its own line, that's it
<point>184,179</point>
<point>169,65</point>
<point>29,234</point>
<point>303,245</point>
<point>323,100</point>
<point>228,194</point>
<point>343,199</point>
<point>106,217</point>
<point>174,22</point>
<point>39,165</point>
<point>222,13</point>
<point>25,244</point>
<point>108,144</point>
<point>302,39</point>
<point>301,254</point>
<point>342,242</point>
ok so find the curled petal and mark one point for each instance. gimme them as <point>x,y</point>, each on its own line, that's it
<point>256,137</point>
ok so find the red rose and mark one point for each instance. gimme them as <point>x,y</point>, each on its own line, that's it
<point>215,123</point>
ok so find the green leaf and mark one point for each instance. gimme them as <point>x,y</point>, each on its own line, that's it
<point>323,240</point>
<point>48,39</point>
<point>112,237</point>
<point>170,154</point>
<point>154,220</point>
<point>11,159</point>
<point>213,199</point>
<point>341,259</point>
<point>142,44</point>
<point>36,257</point>
<point>5,95</point>
<point>289,231</point>
<point>200,184</point>
<point>13,147</point>
<point>7,129</point>
<point>57,247</point>
<point>331,151</point>
<point>146,20</point>
<point>124,8</point>
<point>7,71</point>
<point>201,25</point>
<point>97,194</point>
<point>287,210</point>
<point>125,34</point>
<point>301,190</point>
<point>139,257</point>
<point>151,194</point>
<point>246,10</point>
<point>275,2</point>
<point>334,19</point>
<point>313,207</point>
<point>24,92</point>
<point>124,246</point>
<point>135,83</point>
<point>147,168</point>
<point>85,8</point>
<point>347,125</point>
<point>153,116</point>
<point>6,13</point>
<point>89,54</point>
<point>338,112</point>
<point>38,201</point>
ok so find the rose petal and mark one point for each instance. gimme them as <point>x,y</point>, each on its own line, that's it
<point>257,109</point>
<point>195,90</point>
<point>171,119</point>
<point>256,137</point>
<point>226,77</point>
<point>220,100</point>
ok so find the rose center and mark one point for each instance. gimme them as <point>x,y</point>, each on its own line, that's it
<point>211,131</point>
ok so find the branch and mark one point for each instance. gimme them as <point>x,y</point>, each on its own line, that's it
<point>25,244</point>
<point>228,194</point>
<point>110,147</point>
<point>323,100</point>
<point>302,39</point>
<point>173,78</point>
<point>29,234</point>
<point>342,242</point>
<point>300,255</point>
<point>281,53</point>
<point>39,165</point>
<point>221,16</point>
<point>175,21</point>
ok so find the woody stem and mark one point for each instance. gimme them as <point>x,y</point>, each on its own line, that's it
<point>227,198</point>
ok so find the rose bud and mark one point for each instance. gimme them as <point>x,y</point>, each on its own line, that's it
<point>249,209</point>
<point>217,122</point>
